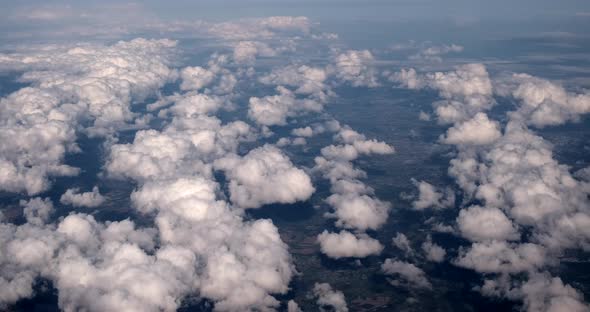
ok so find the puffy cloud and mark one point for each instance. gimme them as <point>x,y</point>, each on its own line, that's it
<point>481,224</point>
<point>429,197</point>
<point>502,257</point>
<point>345,245</point>
<point>292,306</point>
<point>354,211</point>
<point>299,141</point>
<point>263,176</point>
<point>36,210</point>
<point>89,83</point>
<point>513,176</point>
<point>519,175</point>
<point>307,80</point>
<point>353,203</point>
<point>186,146</point>
<point>36,134</point>
<point>355,144</point>
<point>544,103</point>
<point>275,109</point>
<point>337,171</point>
<point>470,80</point>
<point>329,299</point>
<point>124,277</point>
<point>534,185</point>
<point>93,266</point>
<point>246,51</point>
<point>356,68</point>
<point>403,273</point>
<point>235,263</point>
<point>466,91</point>
<point>191,198</point>
<point>195,78</point>
<point>87,199</point>
<point>521,186</point>
<point>105,79</point>
<point>583,174</point>
<point>303,132</point>
<point>433,251</point>
<point>16,287</point>
<point>407,78</point>
<point>193,104</point>
<point>352,151</point>
<point>401,242</point>
<point>244,262</point>
<point>542,293</point>
<point>476,131</point>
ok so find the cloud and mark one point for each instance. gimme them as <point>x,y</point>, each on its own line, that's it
<point>433,251</point>
<point>424,116</point>
<point>355,144</point>
<point>292,306</point>
<point>240,263</point>
<point>259,28</point>
<point>426,51</point>
<point>407,78</point>
<point>481,224</point>
<point>37,210</point>
<point>544,103</point>
<point>252,177</point>
<point>477,131</point>
<point>187,143</point>
<point>193,104</point>
<point>429,197</point>
<point>354,211</point>
<point>356,67</point>
<point>245,52</point>
<point>307,80</point>
<point>244,261</point>
<point>401,242</point>
<point>35,137</point>
<point>275,109</point>
<point>346,245</point>
<point>353,203</point>
<point>105,79</point>
<point>405,274</point>
<point>502,257</point>
<point>433,53</point>
<point>108,21</point>
<point>329,299</point>
<point>303,132</point>
<point>195,78</point>
<point>530,208</point>
<point>542,293</point>
<point>466,91</point>
<point>118,272</point>
<point>71,84</point>
<point>87,199</point>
